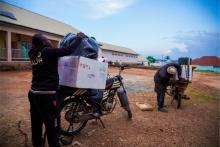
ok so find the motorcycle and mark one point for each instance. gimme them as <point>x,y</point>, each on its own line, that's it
<point>176,91</point>
<point>79,106</point>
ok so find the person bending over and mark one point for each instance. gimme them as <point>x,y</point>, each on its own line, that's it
<point>162,79</point>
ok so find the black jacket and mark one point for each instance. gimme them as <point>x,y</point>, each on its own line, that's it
<point>45,67</point>
<point>162,76</point>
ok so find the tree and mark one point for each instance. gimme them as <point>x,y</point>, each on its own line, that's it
<point>151,59</point>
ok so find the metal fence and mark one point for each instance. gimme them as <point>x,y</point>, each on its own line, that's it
<point>19,54</point>
<point>16,54</point>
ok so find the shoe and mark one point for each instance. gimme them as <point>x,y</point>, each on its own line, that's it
<point>65,140</point>
<point>162,110</point>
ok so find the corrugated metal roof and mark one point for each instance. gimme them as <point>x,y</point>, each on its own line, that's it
<point>116,48</point>
<point>35,21</point>
<point>207,61</point>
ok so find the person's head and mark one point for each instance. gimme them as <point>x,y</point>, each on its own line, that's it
<point>39,41</point>
<point>172,70</point>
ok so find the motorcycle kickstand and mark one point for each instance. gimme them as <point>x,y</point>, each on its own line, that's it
<point>99,118</point>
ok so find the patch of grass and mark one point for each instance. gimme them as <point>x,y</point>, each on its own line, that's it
<point>202,94</point>
<point>208,73</point>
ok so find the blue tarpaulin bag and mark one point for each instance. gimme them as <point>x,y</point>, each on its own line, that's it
<point>88,47</point>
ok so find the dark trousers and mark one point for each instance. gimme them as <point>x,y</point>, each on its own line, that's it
<point>160,89</point>
<point>43,110</point>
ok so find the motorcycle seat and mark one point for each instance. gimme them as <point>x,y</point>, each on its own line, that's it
<point>110,82</point>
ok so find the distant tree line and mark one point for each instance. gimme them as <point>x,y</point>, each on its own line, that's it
<point>151,59</point>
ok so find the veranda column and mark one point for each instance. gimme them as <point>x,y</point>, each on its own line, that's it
<point>8,40</point>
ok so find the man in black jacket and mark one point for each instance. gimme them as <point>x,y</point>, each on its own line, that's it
<point>162,78</point>
<point>45,80</point>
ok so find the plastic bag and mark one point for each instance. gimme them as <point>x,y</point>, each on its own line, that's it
<point>88,47</point>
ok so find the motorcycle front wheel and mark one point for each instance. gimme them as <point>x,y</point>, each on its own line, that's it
<point>68,110</point>
<point>124,102</point>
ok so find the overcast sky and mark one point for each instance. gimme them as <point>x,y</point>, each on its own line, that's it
<point>150,27</point>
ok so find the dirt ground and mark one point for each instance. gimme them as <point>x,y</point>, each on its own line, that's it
<point>195,124</point>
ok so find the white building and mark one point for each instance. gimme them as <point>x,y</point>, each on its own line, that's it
<point>17,26</point>
<point>115,53</point>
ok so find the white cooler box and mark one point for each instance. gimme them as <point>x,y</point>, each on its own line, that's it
<point>81,72</point>
<point>186,72</point>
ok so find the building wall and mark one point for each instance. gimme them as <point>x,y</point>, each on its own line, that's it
<point>119,57</point>
<point>16,42</point>
<point>208,68</point>
<point>27,31</point>
<point>2,39</point>
<point>3,50</point>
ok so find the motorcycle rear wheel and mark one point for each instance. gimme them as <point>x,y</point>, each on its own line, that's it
<point>179,102</point>
<point>66,111</point>
<point>177,97</point>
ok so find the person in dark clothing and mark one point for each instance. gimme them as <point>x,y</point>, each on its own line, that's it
<point>43,92</point>
<point>162,79</point>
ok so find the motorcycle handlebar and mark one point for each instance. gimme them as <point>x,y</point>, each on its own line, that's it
<point>122,66</point>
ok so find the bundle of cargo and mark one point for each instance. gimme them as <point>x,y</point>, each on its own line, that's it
<point>81,69</point>
<point>185,63</point>
<point>88,47</point>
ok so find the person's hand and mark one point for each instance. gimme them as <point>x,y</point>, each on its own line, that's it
<point>80,35</point>
<point>76,41</point>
